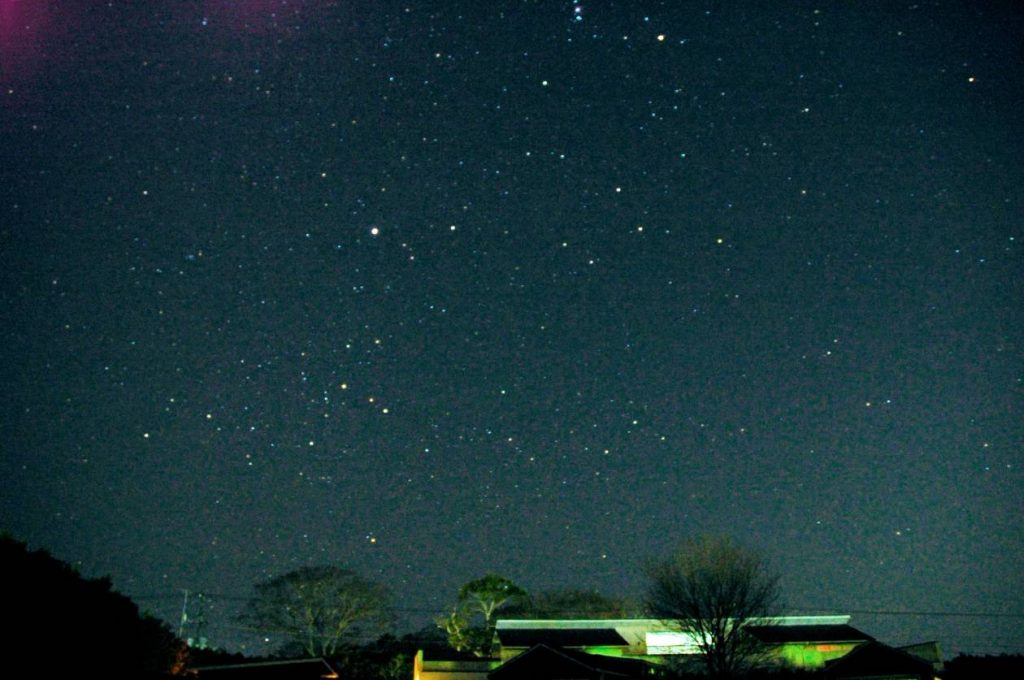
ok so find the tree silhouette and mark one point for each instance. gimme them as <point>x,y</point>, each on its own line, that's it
<point>478,599</point>
<point>570,604</point>
<point>319,609</point>
<point>713,589</point>
<point>52,607</point>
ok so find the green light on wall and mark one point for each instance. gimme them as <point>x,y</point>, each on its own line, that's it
<point>605,651</point>
<point>804,655</point>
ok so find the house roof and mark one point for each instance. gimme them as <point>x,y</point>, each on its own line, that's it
<point>544,661</point>
<point>295,669</point>
<point>873,659</point>
<point>561,637</point>
<point>808,633</point>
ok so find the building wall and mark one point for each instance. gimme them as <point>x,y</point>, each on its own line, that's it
<point>429,669</point>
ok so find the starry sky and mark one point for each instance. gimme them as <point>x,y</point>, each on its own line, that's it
<point>430,289</point>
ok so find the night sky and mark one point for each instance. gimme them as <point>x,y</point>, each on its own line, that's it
<point>430,289</point>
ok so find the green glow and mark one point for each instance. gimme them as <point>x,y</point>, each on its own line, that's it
<point>607,650</point>
<point>804,655</point>
<point>460,665</point>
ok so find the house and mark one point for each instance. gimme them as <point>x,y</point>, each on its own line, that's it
<point>809,645</point>
<point>544,662</point>
<point>592,648</point>
<point>796,641</point>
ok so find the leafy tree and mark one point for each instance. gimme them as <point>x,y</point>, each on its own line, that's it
<point>713,589</point>
<point>319,609</point>
<point>470,624</point>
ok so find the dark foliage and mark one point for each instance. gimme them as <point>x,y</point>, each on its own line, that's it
<point>318,611</point>
<point>198,658</point>
<point>570,604</point>
<point>97,630</point>
<point>388,658</point>
<point>967,667</point>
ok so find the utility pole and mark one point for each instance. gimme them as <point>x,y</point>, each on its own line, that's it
<point>198,640</point>
<point>184,616</point>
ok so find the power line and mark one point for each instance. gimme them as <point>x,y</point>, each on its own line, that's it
<point>913,612</point>
<point>801,610</point>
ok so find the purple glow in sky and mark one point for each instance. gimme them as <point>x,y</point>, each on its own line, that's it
<point>23,36</point>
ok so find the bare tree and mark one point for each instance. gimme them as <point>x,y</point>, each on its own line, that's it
<point>713,589</point>
<point>318,608</point>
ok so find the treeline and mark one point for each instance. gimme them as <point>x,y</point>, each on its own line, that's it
<point>970,667</point>
<point>53,608</point>
<point>57,618</point>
